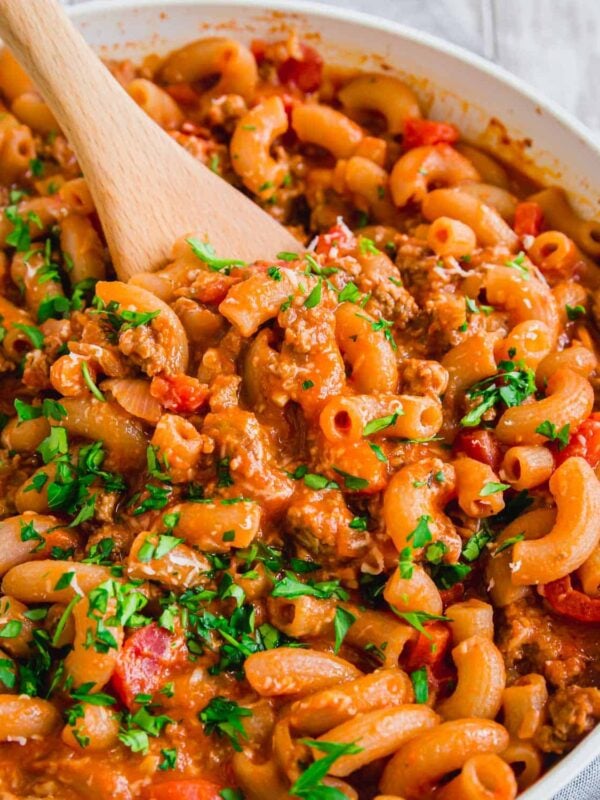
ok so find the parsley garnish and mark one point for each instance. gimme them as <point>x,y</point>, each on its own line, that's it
<point>420,684</point>
<point>492,487</point>
<point>291,587</point>
<point>342,623</point>
<point>513,384</point>
<point>379,424</point>
<point>224,717</point>
<point>50,409</point>
<point>550,431</point>
<point>35,336</point>
<point>517,263</point>
<point>352,482</point>
<point>207,253</point>
<point>349,294</point>
<point>309,785</point>
<point>574,312</point>
<point>384,325</point>
<point>508,543</point>
<point>314,298</point>
<point>417,618</point>
<point>89,382</point>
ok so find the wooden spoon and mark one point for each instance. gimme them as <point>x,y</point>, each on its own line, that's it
<point>147,189</point>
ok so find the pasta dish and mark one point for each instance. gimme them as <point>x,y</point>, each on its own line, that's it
<point>323,526</point>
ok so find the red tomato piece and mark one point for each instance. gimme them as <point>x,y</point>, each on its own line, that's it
<point>570,602</point>
<point>479,444</point>
<point>452,595</point>
<point>304,73</point>
<point>584,442</point>
<point>183,93</point>
<point>339,237</point>
<point>258,48</point>
<point>418,132</point>
<point>145,661</point>
<point>179,393</point>
<point>429,649</point>
<point>529,219</point>
<point>194,789</point>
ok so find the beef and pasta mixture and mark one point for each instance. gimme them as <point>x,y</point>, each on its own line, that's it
<point>324,526</point>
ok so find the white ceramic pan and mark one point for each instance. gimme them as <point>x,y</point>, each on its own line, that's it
<point>489,105</point>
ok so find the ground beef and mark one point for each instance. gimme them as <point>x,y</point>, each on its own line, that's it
<point>573,712</point>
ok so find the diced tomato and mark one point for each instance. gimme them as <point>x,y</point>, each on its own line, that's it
<point>570,602</point>
<point>429,649</point>
<point>339,237</point>
<point>180,393</point>
<point>258,48</point>
<point>584,442</point>
<point>194,789</point>
<point>529,219</point>
<point>304,73</point>
<point>453,594</point>
<point>145,661</point>
<point>418,132</point>
<point>479,444</point>
<point>183,93</point>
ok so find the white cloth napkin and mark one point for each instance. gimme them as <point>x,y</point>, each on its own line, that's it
<point>586,786</point>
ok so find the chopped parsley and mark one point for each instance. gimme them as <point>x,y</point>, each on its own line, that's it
<point>89,382</point>
<point>420,684</point>
<point>342,623</point>
<point>518,263</point>
<point>206,252</point>
<point>574,312</point>
<point>550,431</point>
<point>314,298</point>
<point>35,336</point>
<point>379,424</point>
<point>352,482</point>
<point>384,325</point>
<point>508,543</point>
<point>349,294</point>
<point>492,488</point>
<point>513,383</point>
<point>224,717</point>
<point>50,409</point>
<point>417,618</point>
<point>290,587</point>
<point>309,785</point>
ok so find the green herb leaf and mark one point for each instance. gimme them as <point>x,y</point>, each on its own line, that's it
<point>291,587</point>
<point>89,382</point>
<point>352,482</point>
<point>314,298</point>
<point>550,431</point>
<point>224,717</point>
<point>206,252</point>
<point>420,684</point>
<point>309,785</point>
<point>35,336</point>
<point>380,423</point>
<point>349,294</point>
<point>417,618</point>
<point>508,543</point>
<point>574,312</point>
<point>492,487</point>
<point>342,623</point>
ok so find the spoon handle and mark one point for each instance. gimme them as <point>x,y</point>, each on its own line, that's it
<point>83,96</point>
<point>108,131</point>
<point>146,188</point>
